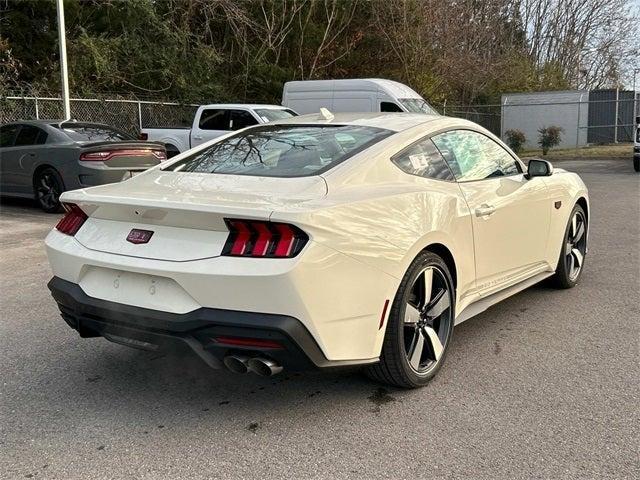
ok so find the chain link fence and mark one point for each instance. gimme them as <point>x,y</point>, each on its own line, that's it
<point>606,116</point>
<point>489,116</point>
<point>127,115</point>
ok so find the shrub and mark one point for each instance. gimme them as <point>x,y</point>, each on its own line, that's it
<point>549,137</point>
<point>515,139</point>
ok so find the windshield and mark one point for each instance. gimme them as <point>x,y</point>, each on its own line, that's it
<point>282,150</point>
<point>91,132</point>
<point>271,114</point>
<point>417,105</point>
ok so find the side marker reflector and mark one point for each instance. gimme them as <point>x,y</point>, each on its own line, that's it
<point>384,313</point>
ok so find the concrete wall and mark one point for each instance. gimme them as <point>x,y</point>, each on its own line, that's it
<point>529,112</point>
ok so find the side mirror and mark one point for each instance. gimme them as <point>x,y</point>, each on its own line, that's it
<point>539,168</point>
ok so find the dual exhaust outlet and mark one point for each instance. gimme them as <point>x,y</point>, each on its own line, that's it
<point>242,364</point>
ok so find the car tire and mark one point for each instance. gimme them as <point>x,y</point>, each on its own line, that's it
<point>172,150</point>
<point>433,313</point>
<point>573,251</point>
<point>636,164</point>
<point>48,186</point>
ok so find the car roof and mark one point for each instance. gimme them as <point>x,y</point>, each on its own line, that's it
<point>33,122</point>
<point>54,122</point>
<point>252,106</point>
<point>396,122</point>
<point>399,90</point>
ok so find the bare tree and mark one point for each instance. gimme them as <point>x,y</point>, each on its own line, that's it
<point>589,40</point>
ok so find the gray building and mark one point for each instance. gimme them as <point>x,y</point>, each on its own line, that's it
<point>528,112</point>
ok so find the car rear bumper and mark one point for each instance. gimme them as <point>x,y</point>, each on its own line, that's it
<point>200,330</point>
<point>338,300</point>
<point>94,175</point>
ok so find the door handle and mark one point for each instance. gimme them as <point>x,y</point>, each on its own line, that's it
<point>197,137</point>
<point>485,210</point>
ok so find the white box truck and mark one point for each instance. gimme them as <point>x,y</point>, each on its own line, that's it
<point>353,95</point>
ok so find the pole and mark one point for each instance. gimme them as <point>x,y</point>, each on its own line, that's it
<point>636,110</point>
<point>578,122</point>
<point>64,74</point>
<point>615,128</point>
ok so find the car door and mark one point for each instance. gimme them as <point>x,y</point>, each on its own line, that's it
<point>510,213</point>
<point>26,152</point>
<point>213,123</point>
<point>19,159</point>
<point>8,135</point>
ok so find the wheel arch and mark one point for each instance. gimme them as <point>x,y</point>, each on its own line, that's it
<point>40,168</point>
<point>582,201</point>
<point>171,147</point>
<point>443,252</point>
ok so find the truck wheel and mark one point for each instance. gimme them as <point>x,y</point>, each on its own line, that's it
<point>636,164</point>
<point>172,150</point>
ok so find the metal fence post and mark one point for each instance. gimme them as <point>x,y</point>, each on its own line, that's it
<point>140,115</point>
<point>37,110</point>
<point>578,121</point>
<point>615,128</point>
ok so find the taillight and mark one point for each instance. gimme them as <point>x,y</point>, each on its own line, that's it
<point>159,154</point>
<point>109,154</point>
<point>95,156</point>
<point>253,238</point>
<point>72,220</point>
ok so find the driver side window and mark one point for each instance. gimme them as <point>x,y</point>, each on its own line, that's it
<point>473,156</point>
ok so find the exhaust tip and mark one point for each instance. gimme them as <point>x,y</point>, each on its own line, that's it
<point>236,363</point>
<point>264,366</point>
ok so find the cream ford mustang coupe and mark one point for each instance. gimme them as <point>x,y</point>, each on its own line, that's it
<point>318,241</point>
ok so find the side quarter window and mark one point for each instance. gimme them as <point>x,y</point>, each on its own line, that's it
<point>474,156</point>
<point>424,160</point>
<point>30,135</point>
<point>8,135</point>
<point>389,107</point>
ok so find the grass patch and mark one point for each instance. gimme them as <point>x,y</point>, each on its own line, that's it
<point>592,151</point>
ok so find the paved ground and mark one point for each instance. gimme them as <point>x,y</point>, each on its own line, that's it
<point>544,385</point>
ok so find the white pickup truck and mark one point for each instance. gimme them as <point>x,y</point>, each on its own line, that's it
<point>212,121</point>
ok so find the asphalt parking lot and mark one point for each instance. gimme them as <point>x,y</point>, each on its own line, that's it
<point>543,385</point>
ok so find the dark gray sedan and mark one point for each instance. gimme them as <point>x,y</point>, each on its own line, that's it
<point>43,158</point>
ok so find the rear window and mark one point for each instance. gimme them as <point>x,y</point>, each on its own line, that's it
<point>271,114</point>
<point>84,132</point>
<point>282,150</point>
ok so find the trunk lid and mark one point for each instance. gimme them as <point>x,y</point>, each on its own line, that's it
<point>185,211</point>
